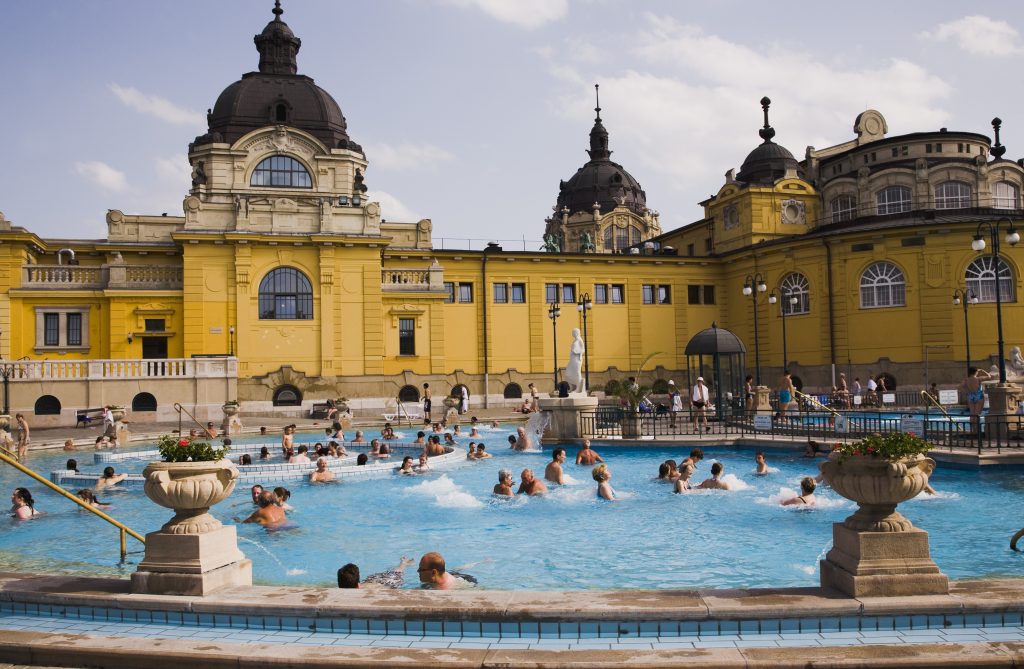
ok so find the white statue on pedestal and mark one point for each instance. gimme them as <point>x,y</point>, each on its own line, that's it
<point>1016,370</point>
<point>574,369</point>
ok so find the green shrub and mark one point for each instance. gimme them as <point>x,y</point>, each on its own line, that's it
<point>892,446</point>
<point>175,449</point>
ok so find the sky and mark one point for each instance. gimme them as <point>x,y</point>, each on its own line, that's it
<point>471,111</point>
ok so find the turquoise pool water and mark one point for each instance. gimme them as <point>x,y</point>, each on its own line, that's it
<point>567,540</point>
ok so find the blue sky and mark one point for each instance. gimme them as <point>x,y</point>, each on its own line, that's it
<point>471,111</point>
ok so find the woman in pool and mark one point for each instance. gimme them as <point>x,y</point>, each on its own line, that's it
<point>89,497</point>
<point>762,466</point>
<point>471,453</point>
<point>22,504</point>
<point>806,498</point>
<point>282,495</point>
<point>361,459</point>
<point>384,452</point>
<point>246,459</point>
<point>72,465</point>
<point>602,475</point>
<point>264,453</point>
<point>687,469</point>
<point>406,467</point>
<point>449,440</point>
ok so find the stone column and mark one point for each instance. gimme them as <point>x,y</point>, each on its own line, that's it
<point>1003,399</point>
<point>231,424</point>
<point>762,400</point>
<point>565,417</point>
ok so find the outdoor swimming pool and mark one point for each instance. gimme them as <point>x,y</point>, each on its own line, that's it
<point>566,541</point>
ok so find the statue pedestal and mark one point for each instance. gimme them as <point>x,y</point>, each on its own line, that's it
<point>565,417</point>
<point>121,433</point>
<point>762,400</point>
<point>192,564</point>
<point>881,564</point>
<point>1003,399</point>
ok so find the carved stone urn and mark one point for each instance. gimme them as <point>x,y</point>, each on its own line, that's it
<point>230,408</point>
<point>877,485</point>
<point>117,413</point>
<point>190,489</point>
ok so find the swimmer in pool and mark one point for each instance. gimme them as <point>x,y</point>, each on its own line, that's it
<point>322,473</point>
<point>762,466</point>
<point>348,576</point>
<point>523,441</point>
<point>255,491</point>
<point>587,456</point>
<point>503,487</point>
<point>553,472</point>
<point>481,452</point>
<point>687,470</point>
<point>433,575</point>
<point>602,475</point>
<point>715,482</point>
<point>109,478</point>
<point>806,497</point>
<point>269,514</point>
<point>530,485</point>
<point>471,453</point>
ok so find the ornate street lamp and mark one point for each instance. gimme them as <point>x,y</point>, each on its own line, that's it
<point>752,286</point>
<point>554,311</point>
<point>1012,237</point>
<point>788,298</point>
<point>966,297</point>
<point>231,341</point>
<point>583,306</point>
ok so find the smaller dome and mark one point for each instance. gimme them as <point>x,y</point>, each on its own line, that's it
<point>769,162</point>
<point>714,340</point>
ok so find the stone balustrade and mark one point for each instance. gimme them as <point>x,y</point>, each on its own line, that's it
<point>413,278</point>
<point>110,370</point>
<point>120,276</point>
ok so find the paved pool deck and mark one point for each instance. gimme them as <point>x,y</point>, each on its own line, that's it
<point>56,620</point>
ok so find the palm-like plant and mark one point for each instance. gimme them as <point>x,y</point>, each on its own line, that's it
<point>634,393</point>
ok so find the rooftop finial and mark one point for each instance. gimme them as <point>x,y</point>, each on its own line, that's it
<point>597,97</point>
<point>998,149</point>
<point>277,10</point>
<point>767,132</point>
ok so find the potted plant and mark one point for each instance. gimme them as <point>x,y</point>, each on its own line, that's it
<point>632,395</point>
<point>230,407</point>
<point>192,477</point>
<point>878,472</point>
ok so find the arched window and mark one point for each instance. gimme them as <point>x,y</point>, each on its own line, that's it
<point>286,294</point>
<point>281,172</point>
<point>47,405</point>
<point>952,195</point>
<point>409,394</point>
<point>1005,195</point>
<point>144,402</point>
<point>634,236</point>
<point>621,238</point>
<point>609,238</point>
<point>287,396</point>
<point>883,285</point>
<point>844,208</point>
<point>513,391</point>
<point>981,278</point>
<point>795,285</point>
<point>281,113</point>
<point>893,200</point>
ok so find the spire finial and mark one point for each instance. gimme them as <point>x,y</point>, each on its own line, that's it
<point>998,150</point>
<point>277,10</point>
<point>767,132</point>
<point>597,97</point>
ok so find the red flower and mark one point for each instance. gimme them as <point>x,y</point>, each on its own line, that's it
<point>183,442</point>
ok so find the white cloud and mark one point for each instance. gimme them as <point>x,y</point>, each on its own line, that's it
<point>527,14</point>
<point>417,157</point>
<point>689,108</point>
<point>102,175</point>
<point>154,105</point>
<point>173,169</point>
<point>391,208</point>
<point>978,35</point>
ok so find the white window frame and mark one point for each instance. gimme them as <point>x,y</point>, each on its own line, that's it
<point>1005,195</point>
<point>953,195</point>
<point>980,277</point>
<point>842,213</point>
<point>62,314</point>
<point>886,203</point>
<point>795,285</point>
<point>883,285</point>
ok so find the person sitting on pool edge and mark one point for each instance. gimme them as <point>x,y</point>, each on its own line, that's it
<point>348,576</point>
<point>269,514</point>
<point>503,487</point>
<point>587,456</point>
<point>530,485</point>
<point>433,575</point>
<point>553,472</point>
<point>807,486</point>
<point>715,482</point>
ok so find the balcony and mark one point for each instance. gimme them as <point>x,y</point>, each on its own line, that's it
<point>102,277</point>
<point>415,279</point>
<point>121,370</point>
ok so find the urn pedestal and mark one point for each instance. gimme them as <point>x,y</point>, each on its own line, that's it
<point>193,553</point>
<point>565,417</point>
<point>231,424</point>
<point>762,400</point>
<point>877,552</point>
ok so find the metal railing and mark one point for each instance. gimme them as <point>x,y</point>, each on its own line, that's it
<point>180,409</point>
<point>815,402</point>
<point>123,529</point>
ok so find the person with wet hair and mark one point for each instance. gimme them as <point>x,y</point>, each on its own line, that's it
<point>72,465</point>
<point>109,478</point>
<point>806,497</point>
<point>22,504</point>
<point>715,482</point>
<point>269,514</point>
<point>281,497</point>
<point>89,497</point>
<point>503,488</point>
<point>553,472</point>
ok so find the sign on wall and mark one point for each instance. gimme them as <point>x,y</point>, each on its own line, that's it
<point>947,397</point>
<point>762,422</point>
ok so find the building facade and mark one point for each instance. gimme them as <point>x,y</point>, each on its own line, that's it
<point>281,285</point>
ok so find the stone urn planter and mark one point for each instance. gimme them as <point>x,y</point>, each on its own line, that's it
<point>190,489</point>
<point>342,404</point>
<point>117,413</point>
<point>877,485</point>
<point>632,425</point>
<point>452,402</point>
<point>230,409</point>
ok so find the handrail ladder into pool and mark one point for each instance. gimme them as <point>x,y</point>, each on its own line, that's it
<point>8,453</point>
<point>179,409</point>
<point>1015,539</point>
<point>124,530</point>
<point>814,400</point>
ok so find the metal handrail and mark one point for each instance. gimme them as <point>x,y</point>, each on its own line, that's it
<point>1016,537</point>
<point>124,530</point>
<point>928,396</point>
<point>179,409</point>
<point>814,400</point>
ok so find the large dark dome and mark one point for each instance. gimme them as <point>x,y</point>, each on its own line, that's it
<point>768,162</point>
<point>277,95</point>
<point>600,180</point>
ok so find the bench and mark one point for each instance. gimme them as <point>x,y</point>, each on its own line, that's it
<point>320,410</point>
<point>410,410</point>
<point>87,416</point>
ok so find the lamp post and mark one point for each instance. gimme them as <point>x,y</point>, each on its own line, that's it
<point>583,306</point>
<point>788,298</point>
<point>554,311</point>
<point>231,341</point>
<point>752,286</point>
<point>966,297</point>
<point>1012,237</point>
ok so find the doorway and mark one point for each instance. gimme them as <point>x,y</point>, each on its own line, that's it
<point>154,348</point>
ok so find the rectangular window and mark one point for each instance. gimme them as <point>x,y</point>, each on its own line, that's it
<point>664,294</point>
<point>51,329</point>
<point>465,293</point>
<point>618,293</point>
<point>518,293</point>
<point>501,293</point>
<point>152,325</point>
<point>709,294</point>
<point>449,288</point>
<point>551,293</point>
<point>600,293</point>
<point>693,294</point>
<point>569,293</point>
<point>895,152</point>
<point>406,336</point>
<point>690,250</point>
<point>648,293</point>
<point>708,245</point>
<point>927,148</point>
<point>74,325</point>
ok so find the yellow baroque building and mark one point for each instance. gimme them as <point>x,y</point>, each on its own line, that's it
<point>282,286</point>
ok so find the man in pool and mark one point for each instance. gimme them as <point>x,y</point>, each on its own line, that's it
<point>481,452</point>
<point>530,484</point>
<point>269,514</point>
<point>433,575</point>
<point>255,491</point>
<point>715,482</point>
<point>503,488</point>
<point>553,472</point>
<point>322,473</point>
<point>301,457</point>
<point>523,441</point>
<point>586,456</point>
<point>762,466</point>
